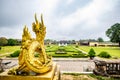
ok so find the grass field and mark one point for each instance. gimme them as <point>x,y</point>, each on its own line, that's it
<point>113,51</point>
<point>9,49</point>
<point>77,76</point>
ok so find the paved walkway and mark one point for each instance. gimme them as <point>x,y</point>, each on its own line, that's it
<point>5,54</point>
<point>66,64</point>
<point>76,65</point>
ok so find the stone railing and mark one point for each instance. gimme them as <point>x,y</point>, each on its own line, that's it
<point>113,68</point>
<point>3,65</point>
<point>107,68</point>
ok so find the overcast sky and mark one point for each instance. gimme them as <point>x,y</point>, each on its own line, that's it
<point>64,19</point>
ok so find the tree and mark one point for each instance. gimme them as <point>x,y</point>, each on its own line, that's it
<point>100,39</point>
<point>114,33</point>
<point>91,40</point>
<point>3,41</point>
<point>73,41</point>
<point>91,53</point>
<point>12,42</point>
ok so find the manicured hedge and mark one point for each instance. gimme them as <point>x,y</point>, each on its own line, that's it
<point>15,54</point>
<point>104,54</point>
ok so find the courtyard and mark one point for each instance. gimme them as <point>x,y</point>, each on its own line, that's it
<point>71,67</point>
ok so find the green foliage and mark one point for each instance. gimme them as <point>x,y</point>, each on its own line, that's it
<point>74,74</point>
<point>61,50</point>
<point>9,49</point>
<point>76,46</point>
<point>79,55</point>
<point>64,51</point>
<point>0,47</point>
<point>3,41</point>
<point>52,48</point>
<point>113,51</point>
<point>91,53</point>
<point>12,42</point>
<point>70,49</point>
<point>103,77</point>
<point>114,33</point>
<point>15,54</point>
<point>48,45</point>
<point>104,54</point>
<point>100,39</point>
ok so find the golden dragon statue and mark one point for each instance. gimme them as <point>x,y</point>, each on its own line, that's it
<point>27,61</point>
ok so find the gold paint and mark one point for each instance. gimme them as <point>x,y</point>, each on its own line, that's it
<point>27,61</point>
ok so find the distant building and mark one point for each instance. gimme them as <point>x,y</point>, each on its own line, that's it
<point>84,43</point>
<point>108,44</point>
<point>103,44</point>
<point>63,43</point>
<point>95,43</point>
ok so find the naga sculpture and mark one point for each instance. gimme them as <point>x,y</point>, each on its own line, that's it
<point>27,62</point>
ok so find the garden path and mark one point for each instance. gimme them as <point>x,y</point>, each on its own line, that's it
<point>78,65</point>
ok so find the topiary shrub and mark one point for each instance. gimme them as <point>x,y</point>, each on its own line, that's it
<point>48,46</point>
<point>76,46</point>
<point>15,54</point>
<point>104,54</point>
<point>91,53</point>
<point>0,48</point>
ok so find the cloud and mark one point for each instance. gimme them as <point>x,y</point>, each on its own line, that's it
<point>87,19</point>
<point>69,2</point>
<point>64,19</point>
<point>89,14</point>
<point>18,12</point>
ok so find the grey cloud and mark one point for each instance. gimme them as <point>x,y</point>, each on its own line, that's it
<point>14,12</point>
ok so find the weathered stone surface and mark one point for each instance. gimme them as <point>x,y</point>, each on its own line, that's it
<point>107,68</point>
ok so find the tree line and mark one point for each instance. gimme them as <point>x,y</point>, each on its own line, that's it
<point>9,42</point>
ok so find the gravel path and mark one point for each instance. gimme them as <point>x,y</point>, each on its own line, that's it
<point>76,66</point>
<point>66,64</point>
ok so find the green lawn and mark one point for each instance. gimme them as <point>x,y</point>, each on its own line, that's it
<point>9,49</point>
<point>78,76</point>
<point>51,48</point>
<point>113,51</point>
<point>69,50</point>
